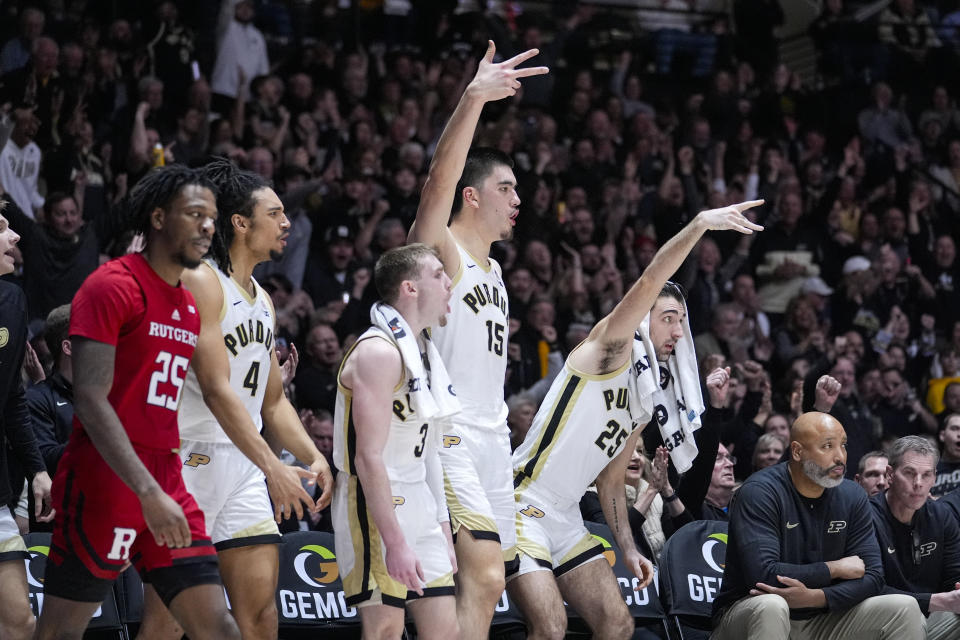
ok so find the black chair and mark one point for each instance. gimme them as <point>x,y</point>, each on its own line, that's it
<point>644,605</point>
<point>691,571</point>
<point>309,590</point>
<point>106,620</point>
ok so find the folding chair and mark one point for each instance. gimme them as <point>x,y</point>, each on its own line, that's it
<point>644,605</point>
<point>105,620</point>
<point>691,572</point>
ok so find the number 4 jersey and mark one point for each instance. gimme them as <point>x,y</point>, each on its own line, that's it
<point>154,327</point>
<point>247,326</point>
<point>581,426</point>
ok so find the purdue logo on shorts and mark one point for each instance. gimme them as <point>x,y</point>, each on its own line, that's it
<point>398,500</point>
<point>196,459</point>
<point>532,512</point>
<point>450,441</point>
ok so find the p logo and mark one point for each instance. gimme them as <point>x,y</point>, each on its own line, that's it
<point>322,563</point>
<point>532,512</point>
<point>398,500</point>
<point>836,526</point>
<point>450,441</point>
<point>196,459</point>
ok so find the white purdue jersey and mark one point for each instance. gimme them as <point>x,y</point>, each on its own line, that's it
<point>409,435</point>
<point>247,325</point>
<point>473,344</point>
<point>581,426</point>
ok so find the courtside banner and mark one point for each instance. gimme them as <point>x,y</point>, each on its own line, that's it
<point>38,544</point>
<point>643,604</point>
<point>309,591</point>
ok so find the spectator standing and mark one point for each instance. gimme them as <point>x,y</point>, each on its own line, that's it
<point>241,56</point>
<point>20,163</point>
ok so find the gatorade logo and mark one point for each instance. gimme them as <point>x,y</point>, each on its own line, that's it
<point>196,459</point>
<point>709,553</point>
<point>35,570</point>
<point>608,552</point>
<point>321,562</point>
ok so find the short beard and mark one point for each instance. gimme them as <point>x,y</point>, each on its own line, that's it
<point>276,256</point>
<point>820,476</point>
<point>186,262</point>
<point>507,235</point>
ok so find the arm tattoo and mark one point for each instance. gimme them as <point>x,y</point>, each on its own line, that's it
<point>611,350</point>
<point>616,517</point>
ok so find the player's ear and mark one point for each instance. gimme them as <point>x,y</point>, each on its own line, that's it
<point>471,197</point>
<point>239,222</point>
<point>156,218</point>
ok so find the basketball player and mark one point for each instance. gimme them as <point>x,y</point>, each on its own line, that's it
<point>235,381</point>
<point>16,616</point>
<point>584,431</point>
<point>393,539</point>
<point>480,189</point>
<point>118,490</point>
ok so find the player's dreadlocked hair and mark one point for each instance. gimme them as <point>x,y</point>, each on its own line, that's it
<point>235,189</point>
<point>158,189</point>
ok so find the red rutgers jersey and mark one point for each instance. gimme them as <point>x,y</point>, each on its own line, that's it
<point>154,327</point>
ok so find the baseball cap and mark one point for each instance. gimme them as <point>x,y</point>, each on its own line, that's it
<point>337,233</point>
<point>855,265</point>
<point>816,285</point>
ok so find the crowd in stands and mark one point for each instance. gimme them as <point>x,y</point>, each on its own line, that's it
<point>652,112</point>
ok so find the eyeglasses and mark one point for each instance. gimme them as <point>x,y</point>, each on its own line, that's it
<point>726,456</point>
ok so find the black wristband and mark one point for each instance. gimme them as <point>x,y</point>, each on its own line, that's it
<point>671,498</point>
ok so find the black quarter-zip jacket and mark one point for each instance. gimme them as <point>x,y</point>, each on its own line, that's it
<point>931,563</point>
<point>776,531</point>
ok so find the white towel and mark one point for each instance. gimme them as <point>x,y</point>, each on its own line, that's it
<point>645,380</point>
<point>435,400</point>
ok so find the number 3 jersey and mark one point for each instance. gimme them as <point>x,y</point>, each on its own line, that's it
<point>154,327</point>
<point>247,326</point>
<point>473,342</point>
<point>409,437</point>
<point>581,426</point>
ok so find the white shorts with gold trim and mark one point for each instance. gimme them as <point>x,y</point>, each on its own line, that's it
<point>231,492</point>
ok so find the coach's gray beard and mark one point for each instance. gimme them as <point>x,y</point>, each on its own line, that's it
<point>820,475</point>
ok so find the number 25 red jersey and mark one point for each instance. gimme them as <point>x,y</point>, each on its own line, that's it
<point>154,327</point>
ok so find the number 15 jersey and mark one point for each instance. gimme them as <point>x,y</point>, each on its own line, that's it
<point>473,342</point>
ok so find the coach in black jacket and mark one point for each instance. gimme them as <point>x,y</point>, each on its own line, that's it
<point>802,556</point>
<point>919,538</point>
<point>50,402</point>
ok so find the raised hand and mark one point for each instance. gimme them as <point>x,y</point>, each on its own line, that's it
<point>718,385</point>
<point>731,218</point>
<point>498,80</point>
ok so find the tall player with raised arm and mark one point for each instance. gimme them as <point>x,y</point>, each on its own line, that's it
<point>118,491</point>
<point>479,189</point>
<point>233,392</point>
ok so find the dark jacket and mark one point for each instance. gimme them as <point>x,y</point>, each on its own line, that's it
<point>775,531</point>
<point>15,431</point>
<point>920,558</point>
<point>51,410</point>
